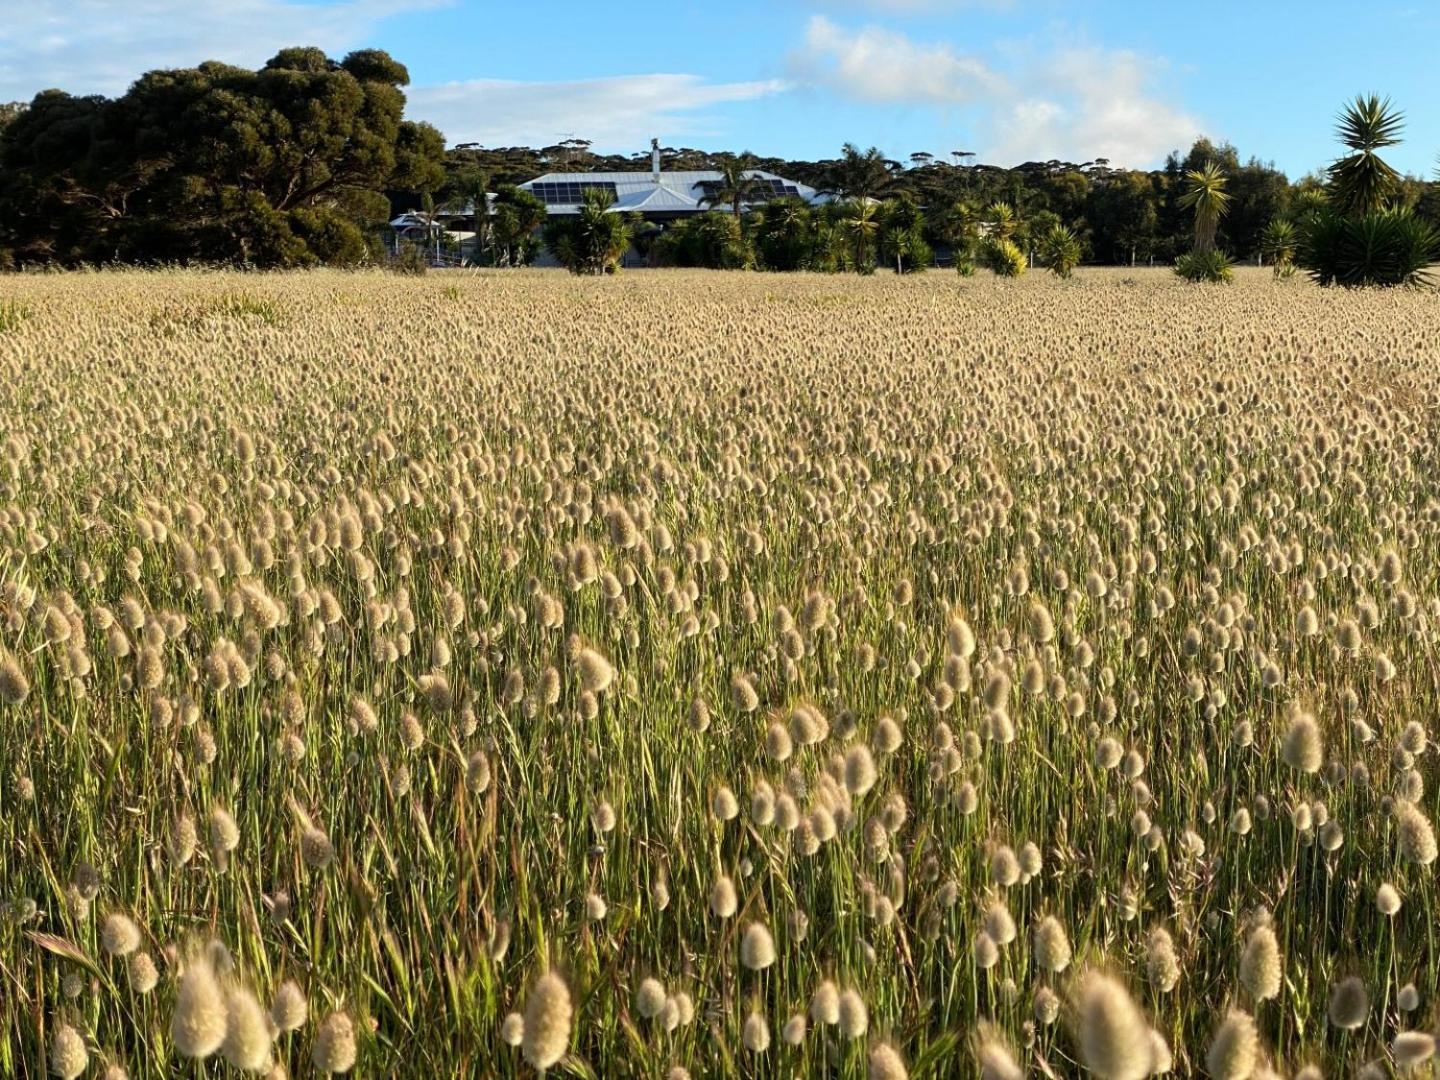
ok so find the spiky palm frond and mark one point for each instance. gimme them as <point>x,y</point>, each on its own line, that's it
<point>1384,247</point>
<point>1205,194</point>
<point>1363,182</point>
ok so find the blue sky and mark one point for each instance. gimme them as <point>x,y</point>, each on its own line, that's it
<point>1009,79</point>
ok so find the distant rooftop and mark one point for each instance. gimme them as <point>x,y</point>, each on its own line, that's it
<point>681,192</point>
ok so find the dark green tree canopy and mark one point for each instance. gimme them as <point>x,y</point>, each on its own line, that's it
<point>273,167</point>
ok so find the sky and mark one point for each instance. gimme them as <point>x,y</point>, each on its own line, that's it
<point>1009,80</point>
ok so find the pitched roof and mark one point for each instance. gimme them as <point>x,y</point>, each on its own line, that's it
<point>683,191</point>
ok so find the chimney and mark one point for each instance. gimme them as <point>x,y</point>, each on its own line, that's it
<point>655,160</point>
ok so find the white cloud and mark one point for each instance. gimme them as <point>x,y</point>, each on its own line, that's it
<point>876,64</point>
<point>1092,103</point>
<point>1071,103</point>
<point>626,110</point>
<point>101,46</point>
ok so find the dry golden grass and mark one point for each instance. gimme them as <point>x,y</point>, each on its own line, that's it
<point>747,675</point>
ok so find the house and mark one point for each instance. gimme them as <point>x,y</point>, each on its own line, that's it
<point>660,196</point>
<point>448,229</point>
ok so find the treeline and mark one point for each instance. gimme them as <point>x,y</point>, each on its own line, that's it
<point>290,165</point>
<point>1119,216</point>
<point>304,161</point>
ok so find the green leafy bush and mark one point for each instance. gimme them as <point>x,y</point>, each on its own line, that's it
<point>1211,266</point>
<point>1380,247</point>
<point>1003,258</point>
<point>1060,251</point>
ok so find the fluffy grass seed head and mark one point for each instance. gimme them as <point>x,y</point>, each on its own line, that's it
<point>290,1009</point>
<point>1052,945</point>
<point>334,1050</point>
<point>854,1018</point>
<point>1260,966</point>
<point>1302,747</point>
<point>1114,1039</point>
<point>198,1022</point>
<point>1414,833</point>
<point>247,1031</point>
<point>119,936</point>
<point>723,900</point>
<point>885,1063</point>
<point>1234,1049</point>
<point>825,1003</point>
<point>1349,1003</point>
<point>756,1033</point>
<point>650,997</point>
<point>757,947</point>
<point>69,1056</point>
<point>547,1021</point>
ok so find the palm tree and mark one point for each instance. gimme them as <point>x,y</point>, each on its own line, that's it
<point>861,175</point>
<point>1205,194</point>
<point>1363,182</point>
<point>862,220</point>
<point>592,241</point>
<point>734,186</point>
<point>1000,216</point>
<point>470,193</point>
<point>1278,242</point>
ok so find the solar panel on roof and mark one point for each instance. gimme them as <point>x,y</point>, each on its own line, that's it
<point>566,192</point>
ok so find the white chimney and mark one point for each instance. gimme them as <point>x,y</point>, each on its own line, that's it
<point>655,160</point>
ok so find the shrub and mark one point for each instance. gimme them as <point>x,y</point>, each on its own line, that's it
<point>1205,266</point>
<point>1003,258</point>
<point>1060,251</point>
<point>411,261</point>
<point>1380,247</point>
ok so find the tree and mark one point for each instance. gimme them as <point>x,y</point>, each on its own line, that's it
<point>517,217</point>
<point>735,188</point>
<point>1205,194</point>
<point>215,163</point>
<point>862,222</point>
<point>1278,243</point>
<point>1360,234</point>
<point>784,235</point>
<point>592,241</point>
<point>712,241</point>
<point>1060,251</point>
<point>861,175</point>
<point>959,228</point>
<point>902,235</point>
<point>1001,219</point>
<point>1363,182</point>
<point>1123,216</point>
<point>468,190</point>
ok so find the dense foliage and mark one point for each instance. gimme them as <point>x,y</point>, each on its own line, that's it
<point>284,166</point>
<point>592,241</point>
<point>1362,232</point>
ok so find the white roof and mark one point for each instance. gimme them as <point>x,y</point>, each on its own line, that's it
<point>675,192</point>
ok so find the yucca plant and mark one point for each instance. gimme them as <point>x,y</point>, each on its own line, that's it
<point>1358,237</point>
<point>1003,258</point>
<point>1381,247</point>
<point>1205,194</point>
<point>1060,251</point>
<point>1210,266</point>
<point>1278,241</point>
<point>1362,181</point>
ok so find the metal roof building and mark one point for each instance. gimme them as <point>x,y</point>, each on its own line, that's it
<point>659,195</point>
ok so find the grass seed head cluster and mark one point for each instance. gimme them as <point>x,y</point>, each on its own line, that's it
<point>686,675</point>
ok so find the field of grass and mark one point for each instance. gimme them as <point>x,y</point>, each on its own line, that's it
<point>473,675</point>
